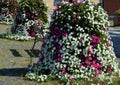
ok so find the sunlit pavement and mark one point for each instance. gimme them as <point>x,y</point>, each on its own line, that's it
<point>115,37</point>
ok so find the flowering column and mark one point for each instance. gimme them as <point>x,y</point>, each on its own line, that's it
<point>78,46</point>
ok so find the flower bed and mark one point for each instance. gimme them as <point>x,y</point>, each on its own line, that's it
<point>78,47</point>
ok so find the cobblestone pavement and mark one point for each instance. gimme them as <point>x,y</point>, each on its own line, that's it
<point>15,57</point>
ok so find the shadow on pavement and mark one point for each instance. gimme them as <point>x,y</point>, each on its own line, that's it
<point>13,71</point>
<point>33,53</point>
<point>15,53</point>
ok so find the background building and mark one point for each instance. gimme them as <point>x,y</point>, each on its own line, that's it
<point>111,6</point>
<point>51,3</point>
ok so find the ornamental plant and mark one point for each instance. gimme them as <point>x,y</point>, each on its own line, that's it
<point>31,16</point>
<point>78,46</point>
<point>8,10</point>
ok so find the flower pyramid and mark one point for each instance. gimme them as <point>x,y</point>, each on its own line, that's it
<point>30,17</point>
<point>78,45</point>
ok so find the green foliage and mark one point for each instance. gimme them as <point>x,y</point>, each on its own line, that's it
<point>15,37</point>
<point>37,7</point>
<point>8,9</point>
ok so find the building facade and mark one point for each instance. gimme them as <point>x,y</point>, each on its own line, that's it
<point>111,6</point>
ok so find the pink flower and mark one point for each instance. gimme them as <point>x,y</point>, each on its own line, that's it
<point>71,79</point>
<point>82,1</point>
<point>37,24</point>
<point>87,62</point>
<point>74,17</point>
<point>90,48</point>
<point>96,65</point>
<point>102,83</point>
<point>64,35</point>
<point>75,2</point>
<point>80,40</point>
<point>99,40</point>
<point>3,15</point>
<point>82,64</point>
<point>95,39</point>
<point>55,8</point>
<point>73,33</point>
<point>58,46</point>
<point>56,31</point>
<point>90,58</point>
<point>58,59</point>
<point>97,71</point>
<point>32,17</point>
<point>109,69</point>
<point>96,75</point>
<point>28,14</point>
<point>63,71</point>
<point>31,32</point>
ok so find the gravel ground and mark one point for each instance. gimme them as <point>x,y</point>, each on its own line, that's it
<point>15,57</point>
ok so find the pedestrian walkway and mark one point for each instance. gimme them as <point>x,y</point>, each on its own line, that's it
<point>115,37</point>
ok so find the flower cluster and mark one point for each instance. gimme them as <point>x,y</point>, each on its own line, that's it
<point>30,18</point>
<point>8,10</point>
<point>78,45</point>
<point>15,37</point>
